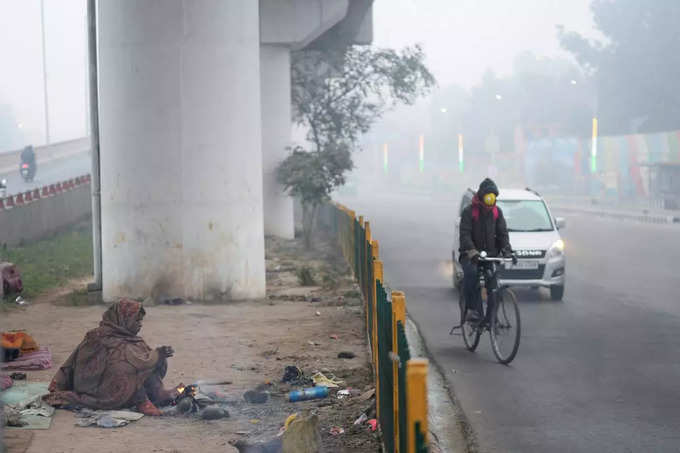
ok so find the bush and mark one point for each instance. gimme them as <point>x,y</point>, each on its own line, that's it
<point>305,276</point>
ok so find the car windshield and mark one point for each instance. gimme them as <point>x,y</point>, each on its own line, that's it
<point>526,215</point>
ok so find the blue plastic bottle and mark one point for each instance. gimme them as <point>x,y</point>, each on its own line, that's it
<point>310,393</point>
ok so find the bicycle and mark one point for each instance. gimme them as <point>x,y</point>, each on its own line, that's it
<point>505,322</point>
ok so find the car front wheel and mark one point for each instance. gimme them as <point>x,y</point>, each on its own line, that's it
<point>557,292</point>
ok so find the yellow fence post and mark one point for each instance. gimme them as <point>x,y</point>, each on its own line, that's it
<point>373,300</point>
<point>377,275</point>
<point>369,259</point>
<point>352,236</point>
<point>398,314</point>
<point>416,400</point>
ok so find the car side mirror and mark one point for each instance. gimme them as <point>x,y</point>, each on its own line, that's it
<point>561,223</point>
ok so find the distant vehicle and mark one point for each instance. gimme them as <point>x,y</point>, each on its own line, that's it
<point>535,238</point>
<point>28,167</point>
<point>3,188</point>
<point>27,171</point>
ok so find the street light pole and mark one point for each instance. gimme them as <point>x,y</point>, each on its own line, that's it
<point>44,67</point>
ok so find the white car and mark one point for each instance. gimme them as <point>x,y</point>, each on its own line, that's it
<point>535,238</point>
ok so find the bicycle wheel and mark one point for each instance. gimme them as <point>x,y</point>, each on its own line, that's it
<point>506,327</point>
<point>471,334</point>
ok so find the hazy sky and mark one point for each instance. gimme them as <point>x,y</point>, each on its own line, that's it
<point>21,75</point>
<point>462,38</point>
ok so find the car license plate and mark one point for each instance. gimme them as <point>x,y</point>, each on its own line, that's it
<point>523,264</point>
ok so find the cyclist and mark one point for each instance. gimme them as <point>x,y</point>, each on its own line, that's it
<point>482,228</point>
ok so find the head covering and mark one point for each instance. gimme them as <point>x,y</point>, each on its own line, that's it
<point>487,186</point>
<point>122,317</point>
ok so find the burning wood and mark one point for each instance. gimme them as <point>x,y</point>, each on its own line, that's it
<point>186,392</point>
<point>185,401</point>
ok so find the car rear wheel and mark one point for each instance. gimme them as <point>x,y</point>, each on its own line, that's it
<point>557,292</point>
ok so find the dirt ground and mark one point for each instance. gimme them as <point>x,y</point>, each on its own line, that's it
<point>245,343</point>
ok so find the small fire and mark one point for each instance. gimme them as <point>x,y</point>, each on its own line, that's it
<point>186,391</point>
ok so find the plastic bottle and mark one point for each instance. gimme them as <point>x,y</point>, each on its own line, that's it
<point>310,393</point>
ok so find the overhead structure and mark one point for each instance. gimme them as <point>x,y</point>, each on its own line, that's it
<point>194,116</point>
<point>285,26</point>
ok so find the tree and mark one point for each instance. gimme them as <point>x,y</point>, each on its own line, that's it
<point>542,96</point>
<point>635,68</point>
<point>338,95</point>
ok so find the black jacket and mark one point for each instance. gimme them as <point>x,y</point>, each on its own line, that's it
<point>484,234</point>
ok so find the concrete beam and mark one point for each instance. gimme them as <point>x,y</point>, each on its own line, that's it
<point>296,23</point>
<point>355,28</point>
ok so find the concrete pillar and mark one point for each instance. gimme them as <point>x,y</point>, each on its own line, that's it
<point>181,162</point>
<point>276,136</point>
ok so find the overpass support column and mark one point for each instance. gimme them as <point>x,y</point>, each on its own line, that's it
<point>181,160</point>
<point>276,136</point>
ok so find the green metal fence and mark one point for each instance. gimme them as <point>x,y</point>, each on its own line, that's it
<point>401,382</point>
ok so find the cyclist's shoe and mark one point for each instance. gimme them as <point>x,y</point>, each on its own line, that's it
<point>473,317</point>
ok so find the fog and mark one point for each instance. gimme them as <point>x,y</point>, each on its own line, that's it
<point>22,111</point>
<point>518,99</point>
<point>519,84</point>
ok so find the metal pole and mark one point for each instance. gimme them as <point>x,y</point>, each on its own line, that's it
<point>44,67</point>
<point>94,137</point>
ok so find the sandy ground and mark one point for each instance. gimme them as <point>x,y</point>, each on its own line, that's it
<point>245,343</point>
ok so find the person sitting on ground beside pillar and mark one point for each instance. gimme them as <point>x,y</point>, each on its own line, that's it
<point>113,368</point>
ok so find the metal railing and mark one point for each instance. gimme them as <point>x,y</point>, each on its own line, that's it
<point>400,381</point>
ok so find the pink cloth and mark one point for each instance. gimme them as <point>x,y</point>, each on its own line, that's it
<point>5,382</point>
<point>39,360</point>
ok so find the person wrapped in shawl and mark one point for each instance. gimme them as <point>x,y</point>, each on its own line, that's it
<point>113,368</point>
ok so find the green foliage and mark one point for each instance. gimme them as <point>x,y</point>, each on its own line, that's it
<point>635,68</point>
<point>305,276</point>
<point>52,262</point>
<point>312,176</point>
<point>338,95</point>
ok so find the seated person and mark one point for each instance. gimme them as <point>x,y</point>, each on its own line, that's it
<point>113,368</point>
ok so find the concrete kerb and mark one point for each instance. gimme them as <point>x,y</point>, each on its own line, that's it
<point>449,426</point>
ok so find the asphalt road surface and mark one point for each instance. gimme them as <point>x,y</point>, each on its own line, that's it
<point>597,372</point>
<point>49,173</point>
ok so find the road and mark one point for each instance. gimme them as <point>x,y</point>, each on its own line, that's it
<point>49,173</point>
<point>597,372</point>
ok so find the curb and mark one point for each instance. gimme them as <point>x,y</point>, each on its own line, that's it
<point>455,436</point>
<point>621,215</point>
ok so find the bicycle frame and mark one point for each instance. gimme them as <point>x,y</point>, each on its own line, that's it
<point>488,280</point>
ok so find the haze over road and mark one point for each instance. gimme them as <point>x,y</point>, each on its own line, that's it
<point>599,371</point>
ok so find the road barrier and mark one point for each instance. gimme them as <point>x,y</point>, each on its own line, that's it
<point>39,212</point>
<point>400,381</point>
<point>636,216</point>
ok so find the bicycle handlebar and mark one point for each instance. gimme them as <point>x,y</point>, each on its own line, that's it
<point>495,259</point>
<point>492,259</point>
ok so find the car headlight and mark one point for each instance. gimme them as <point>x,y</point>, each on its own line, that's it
<point>556,249</point>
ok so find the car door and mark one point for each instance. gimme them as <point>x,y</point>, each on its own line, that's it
<point>465,200</point>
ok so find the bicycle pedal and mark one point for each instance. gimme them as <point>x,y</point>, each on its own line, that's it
<point>454,328</point>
